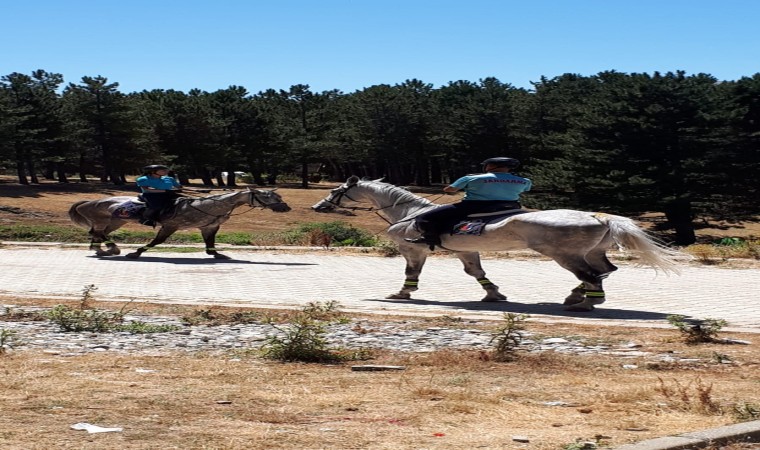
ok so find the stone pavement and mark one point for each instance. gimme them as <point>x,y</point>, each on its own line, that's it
<point>276,279</point>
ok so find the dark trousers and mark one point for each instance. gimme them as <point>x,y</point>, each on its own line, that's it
<point>442,219</point>
<point>155,202</point>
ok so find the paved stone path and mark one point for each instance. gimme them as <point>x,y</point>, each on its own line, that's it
<point>269,278</point>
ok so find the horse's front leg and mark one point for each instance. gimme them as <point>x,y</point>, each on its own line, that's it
<point>163,234</point>
<point>472,266</point>
<point>209,238</point>
<point>415,259</point>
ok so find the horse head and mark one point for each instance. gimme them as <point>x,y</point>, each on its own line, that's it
<point>338,198</point>
<point>267,199</point>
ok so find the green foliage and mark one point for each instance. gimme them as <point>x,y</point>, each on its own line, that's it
<point>340,233</point>
<point>697,331</point>
<point>508,337</point>
<point>745,412</point>
<point>303,339</point>
<point>43,233</point>
<point>7,340</point>
<point>211,317</point>
<point>86,318</point>
<point>139,327</point>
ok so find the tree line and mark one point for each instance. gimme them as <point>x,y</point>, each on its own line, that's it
<point>685,145</point>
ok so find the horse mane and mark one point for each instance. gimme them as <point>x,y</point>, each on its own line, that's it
<point>399,194</point>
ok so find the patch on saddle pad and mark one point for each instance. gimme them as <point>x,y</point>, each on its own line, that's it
<point>128,210</point>
<point>474,228</point>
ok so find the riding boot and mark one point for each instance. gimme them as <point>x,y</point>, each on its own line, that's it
<point>150,216</point>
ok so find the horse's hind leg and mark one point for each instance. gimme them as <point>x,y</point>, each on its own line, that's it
<point>97,238</point>
<point>414,262</point>
<point>472,266</point>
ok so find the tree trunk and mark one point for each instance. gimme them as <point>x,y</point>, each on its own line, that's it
<point>679,215</point>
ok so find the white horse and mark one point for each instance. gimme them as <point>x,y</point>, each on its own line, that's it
<point>576,240</point>
<point>103,217</point>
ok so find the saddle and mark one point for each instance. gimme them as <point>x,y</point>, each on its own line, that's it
<point>473,224</point>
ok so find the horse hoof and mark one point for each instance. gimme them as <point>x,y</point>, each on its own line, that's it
<point>572,300</point>
<point>134,255</point>
<point>399,296</point>
<point>494,299</point>
<point>115,251</point>
<point>220,256</point>
<point>579,308</point>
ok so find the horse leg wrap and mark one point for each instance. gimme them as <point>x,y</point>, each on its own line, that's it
<point>410,284</point>
<point>485,282</point>
<point>595,297</point>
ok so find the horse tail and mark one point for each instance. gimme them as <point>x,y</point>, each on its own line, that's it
<point>653,252</point>
<point>77,217</point>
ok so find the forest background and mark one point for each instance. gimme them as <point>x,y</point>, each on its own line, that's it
<point>684,145</point>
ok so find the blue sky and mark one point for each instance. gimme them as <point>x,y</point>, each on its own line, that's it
<point>352,44</point>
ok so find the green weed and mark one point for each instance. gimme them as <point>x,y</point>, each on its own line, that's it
<point>304,338</point>
<point>697,331</point>
<point>508,337</point>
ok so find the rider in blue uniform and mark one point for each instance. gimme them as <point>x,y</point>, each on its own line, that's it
<point>495,190</point>
<point>158,191</point>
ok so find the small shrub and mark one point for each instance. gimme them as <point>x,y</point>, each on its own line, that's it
<point>745,412</point>
<point>697,331</point>
<point>214,317</point>
<point>303,339</point>
<point>340,234</point>
<point>139,327</point>
<point>7,340</point>
<point>85,318</point>
<point>508,337</point>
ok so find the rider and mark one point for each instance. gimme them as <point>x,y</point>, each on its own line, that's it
<point>496,189</point>
<point>158,190</point>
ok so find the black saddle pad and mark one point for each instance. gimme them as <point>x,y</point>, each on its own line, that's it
<point>474,223</point>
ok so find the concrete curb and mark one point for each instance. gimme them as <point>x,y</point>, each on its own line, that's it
<point>746,432</point>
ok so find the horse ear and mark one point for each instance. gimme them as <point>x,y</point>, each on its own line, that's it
<point>381,179</point>
<point>352,180</point>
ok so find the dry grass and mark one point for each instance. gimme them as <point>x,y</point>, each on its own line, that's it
<point>445,399</point>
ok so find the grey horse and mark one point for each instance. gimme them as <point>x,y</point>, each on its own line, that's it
<point>104,216</point>
<point>576,240</point>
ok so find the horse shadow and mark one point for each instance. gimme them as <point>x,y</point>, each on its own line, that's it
<point>544,309</point>
<point>196,261</point>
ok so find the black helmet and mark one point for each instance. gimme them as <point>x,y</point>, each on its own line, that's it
<point>502,161</point>
<point>154,167</point>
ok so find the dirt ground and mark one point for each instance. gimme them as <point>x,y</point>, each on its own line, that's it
<point>443,400</point>
<point>49,202</point>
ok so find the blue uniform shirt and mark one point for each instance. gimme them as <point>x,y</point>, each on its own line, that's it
<point>492,186</point>
<point>165,182</point>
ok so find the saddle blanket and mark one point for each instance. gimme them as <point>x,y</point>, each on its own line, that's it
<point>128,210</point>
<point>475,226</point>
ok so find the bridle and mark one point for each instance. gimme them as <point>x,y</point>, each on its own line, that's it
<point>254,199</point>
<point>337,195</point>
